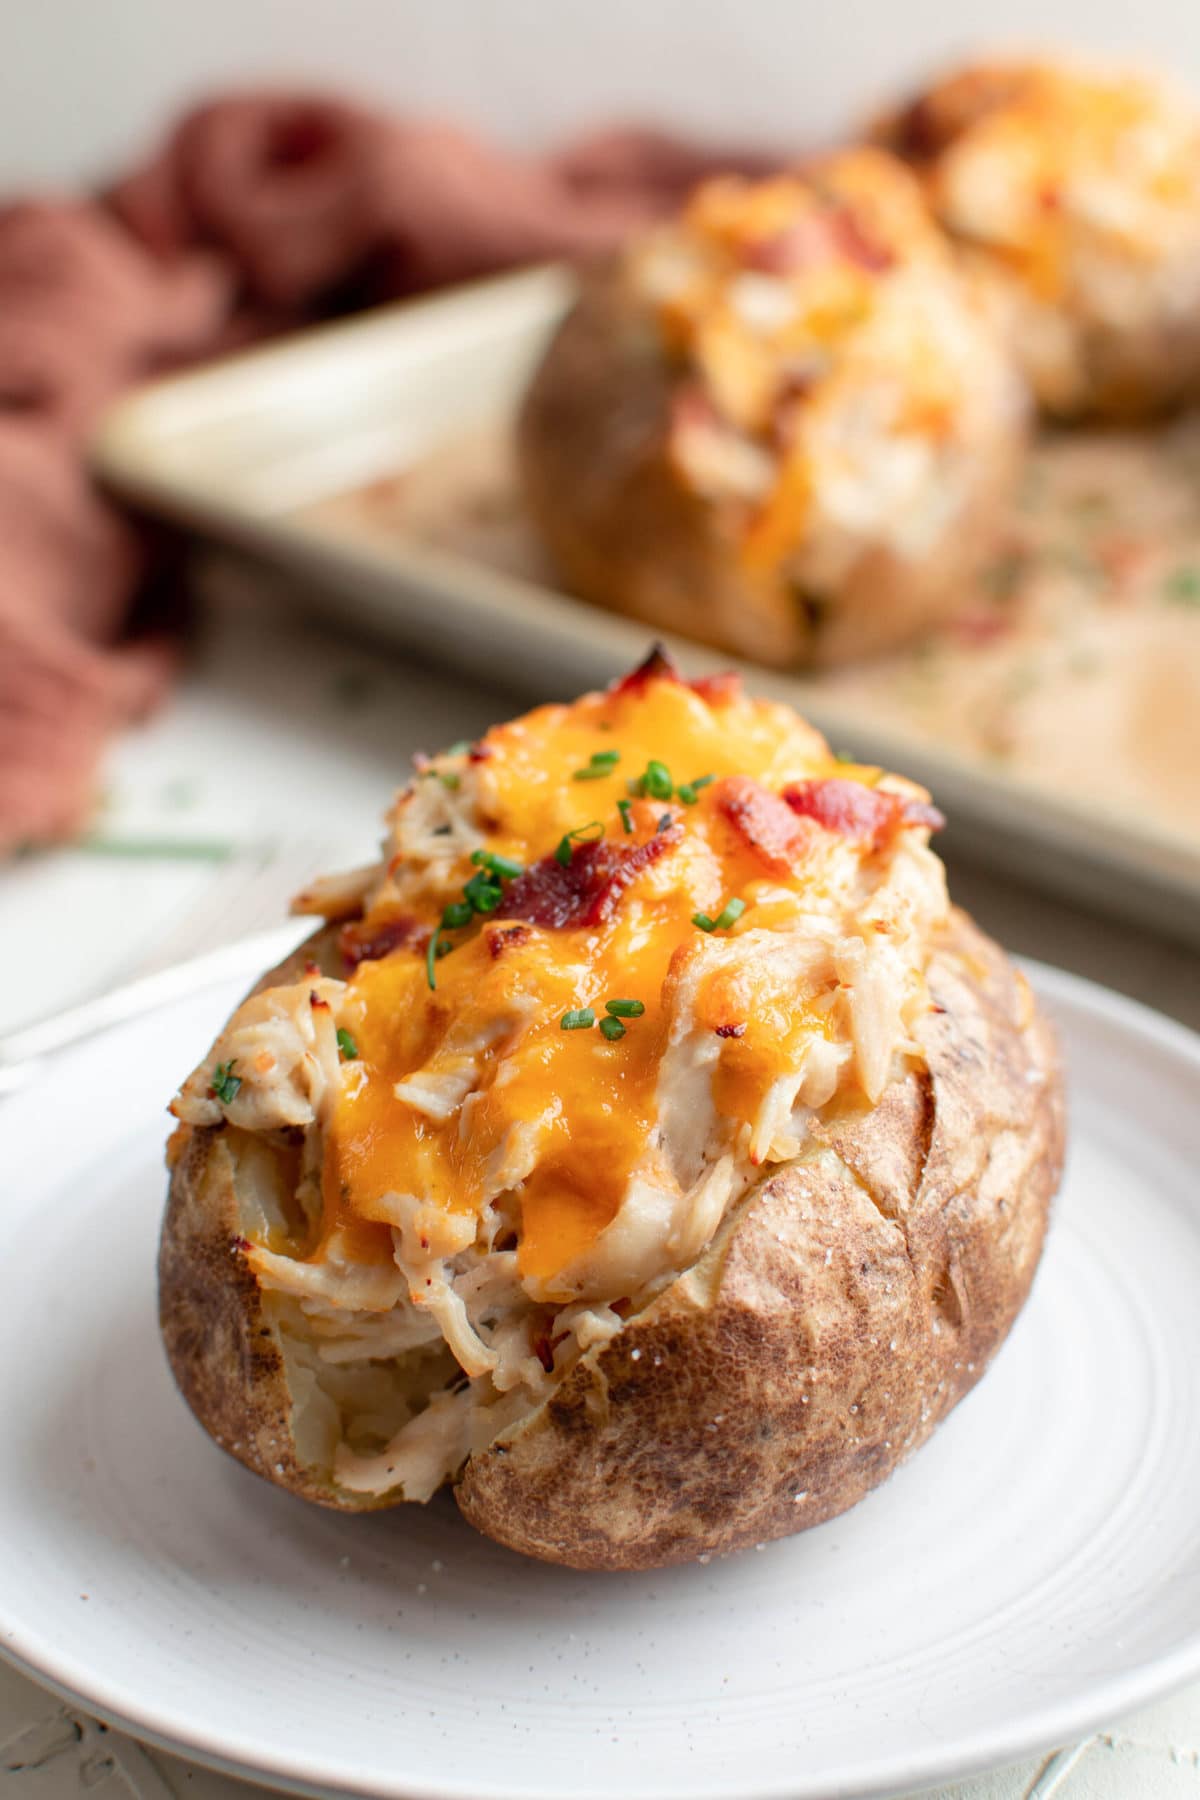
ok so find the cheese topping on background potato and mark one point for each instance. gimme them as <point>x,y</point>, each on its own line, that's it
<point>833,360</point>
<point>618,955</point>
<point>1082,184</point>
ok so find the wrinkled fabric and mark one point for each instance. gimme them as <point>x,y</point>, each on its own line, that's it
<point>260,212</point>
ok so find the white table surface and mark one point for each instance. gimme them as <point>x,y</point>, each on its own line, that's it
<point>277,759</point>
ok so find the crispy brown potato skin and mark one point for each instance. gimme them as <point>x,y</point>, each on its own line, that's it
<point>592,440</point>
<point>843,1309</point>
<point>841,1312</point>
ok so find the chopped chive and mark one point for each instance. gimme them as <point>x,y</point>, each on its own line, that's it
<point>625,807</point>
<point>579,1018</point>
<point>612,1029</point>
<point>431,956</point>
<point>656,781</point>
<point>449,778</point>
<point>625,1009</point>
<point>458,914</point>
<point>1182,586</point>
<point>689,791</point>
<point>458,749</point>
<point>444,949</point>
<point>225,1083</point>
<point>504,866</point>
<point>482,894</point>
<point>346,1044</point>
<point>601,763</point>
<point>729,915</point>
<point>590,833</point>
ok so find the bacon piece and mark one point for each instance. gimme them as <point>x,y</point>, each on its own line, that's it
<point>586,890</point>
<point>511,938</point>
<point>658,665</point>
<point>870,816</point>
<point>856,246</point>
<point>366,940</point>
<point>731,1031</point>
<point>765,822</point>
<point>718,690</point>
<point>817,238</point>
<point>805,245</point>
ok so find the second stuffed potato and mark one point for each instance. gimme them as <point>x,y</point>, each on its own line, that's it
<point>784,424</point>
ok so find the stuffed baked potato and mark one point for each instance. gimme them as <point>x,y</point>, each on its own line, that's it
<point>669,1208</point>
<point>785,424</point>
<point>1076,193</point>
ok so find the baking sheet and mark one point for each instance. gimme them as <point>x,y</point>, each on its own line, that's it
<point>1057,721</point>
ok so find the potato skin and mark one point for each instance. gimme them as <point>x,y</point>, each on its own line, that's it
<point>592,438</point>
<point>841,1312</point>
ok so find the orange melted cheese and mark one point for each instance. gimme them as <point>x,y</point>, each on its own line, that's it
<point>585,1107</point>
<point>1061,136</point>
<point>775,281</point>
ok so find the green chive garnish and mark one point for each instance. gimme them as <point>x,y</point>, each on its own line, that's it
<point>625,1009</point>
<point>601,763</point>
<point>458,914</point>
<point>591,833</point>
<point>580,1018</point>
<point>225,1083</point>
<point>689,791</point>
<point>346,1044</point>
<point>483,894</point>
<point>730,913</point>
<point>1182,586</point>
<point>612,1029</point>
<point>459,749</point>
<point>431,956</point>
<point>449,778</point>
<point>625,807</point>
<point>656,781</point>
<point>504,866</point>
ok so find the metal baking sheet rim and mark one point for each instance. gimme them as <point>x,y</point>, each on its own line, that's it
<point>545,643</point>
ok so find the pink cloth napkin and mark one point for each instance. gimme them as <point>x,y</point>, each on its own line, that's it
<point>260,212</point>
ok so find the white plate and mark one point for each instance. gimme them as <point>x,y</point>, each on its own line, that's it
<point>1033,1571</point>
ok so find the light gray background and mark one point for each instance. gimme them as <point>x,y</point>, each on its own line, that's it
<point>86,83</point>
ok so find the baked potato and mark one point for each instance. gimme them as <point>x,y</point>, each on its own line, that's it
<point>785,424</point>
<point>1076,194</point>
<point>667,1210</point>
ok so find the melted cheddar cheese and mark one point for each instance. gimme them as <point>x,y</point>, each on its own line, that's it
<point>1044,165</point>
<point>471,1088</point>
<point>825,352</point>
